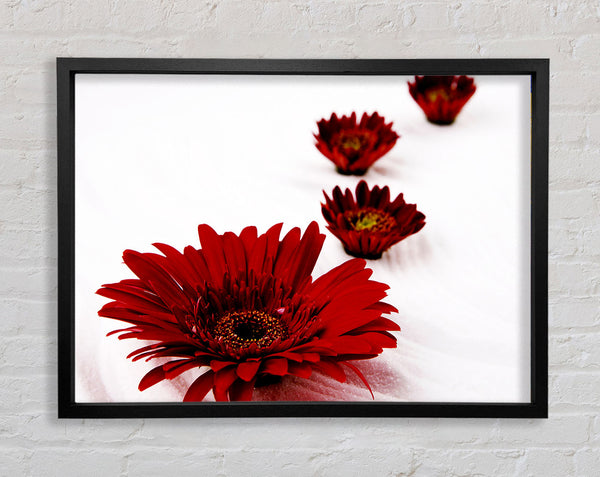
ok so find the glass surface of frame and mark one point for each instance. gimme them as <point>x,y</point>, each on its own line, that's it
<point>443,313</point>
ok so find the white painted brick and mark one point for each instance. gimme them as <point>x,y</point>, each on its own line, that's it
<point>27,353</point>
<point>28,51</point>
<point>181,16</point>
<point>332,16</point>
<point>556,16</point>
<point>15,462</point>
<point>21,395</point>
<point>13,168</point>
<point>576,165</point>
<point>431,16</point>
<point>62,462</point>
<point>20,245</point>
<point>563,242</point>
<point>322,433</point>
<point>122,47</point>
<point>591,243</point>
<point>442,47</point>
<point>573,204</point>
<point>595,431</point>
<point>6,14</point>
<point>137,16</point>
<point>380,17</point>
<point>571,430</point>
<point>89,14</point>
<point>362,461</point>
<point>318,462</point>
<point>573,313</point>
<point>27,283</point>
<point>587,461</point>
<point>585,49</point>
<point>78,432</point>
<point>41,15</point>
<point>469,17</point>
<point>574,16</point>
<point>267,17</point>
<point>35,87</point>
<point>558,49</point>
<point>468,462</point>
<point>189,463</point>
<point>574,279</point>
<point>548,462</point>
<point>566,127</point>
<point>575,388</point>
<point>24,125</point>
<point>575,350</point>
<point>27,316</point>
<point>245,45</point>
<point>593,131</point>
<point>564,92</point>
<point>514,17</point>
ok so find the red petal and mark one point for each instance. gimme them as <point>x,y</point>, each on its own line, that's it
<point>236,255</point>
<point>275,366</point>
<point>223,379</point>
<point>380,324</point>
<point>360,375</point>
<point>302,370</point>
<point>151,378</point>
<point>241,390</point>
<point>286,251</point>
<point>248,236</point>
<point>212,248</point>
<point>156,278</point>
<point>346,269</point>
<point>331,369</point>
<point>247,370</point>
<point>306,255</point>
<point>219,365</point>
<point>133,301</point>
<point>200,387</point>
<point>178,267</point>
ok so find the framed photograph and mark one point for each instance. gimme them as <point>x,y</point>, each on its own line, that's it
<point>347,238</point>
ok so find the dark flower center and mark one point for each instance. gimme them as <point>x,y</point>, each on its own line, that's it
<point>370,219</point>
<point>240,329</point>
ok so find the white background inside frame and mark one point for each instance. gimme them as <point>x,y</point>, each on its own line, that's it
<point>157,155</point>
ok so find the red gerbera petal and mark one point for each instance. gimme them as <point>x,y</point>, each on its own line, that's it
<point>371,224</point>
<point>200,387</point>
<point>246,307</point>
<point>353,147</point>
<point>442,97</point>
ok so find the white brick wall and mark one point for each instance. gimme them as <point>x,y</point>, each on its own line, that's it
<point>33,33</point>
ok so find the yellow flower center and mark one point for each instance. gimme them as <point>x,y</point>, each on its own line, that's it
<point>241,329</point>
<point>370,219</point>
<point>434,94</point>
<point>353,140</point>
<point>350,142</point>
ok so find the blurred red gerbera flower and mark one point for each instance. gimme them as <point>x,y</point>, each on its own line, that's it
<point>353,147</point>
<point>246,308</point>
<point>370,223</point>
<point>441,97</point>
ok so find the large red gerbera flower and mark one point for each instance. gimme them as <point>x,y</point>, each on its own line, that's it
<point>246,309</point>
<point>441,97</point>
<point>370,223</point>
<point>353,147</point>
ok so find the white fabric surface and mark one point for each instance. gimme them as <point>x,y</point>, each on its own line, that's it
<point>158,155</point>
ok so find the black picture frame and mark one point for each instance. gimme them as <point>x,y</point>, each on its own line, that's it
<point>68,68</point>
